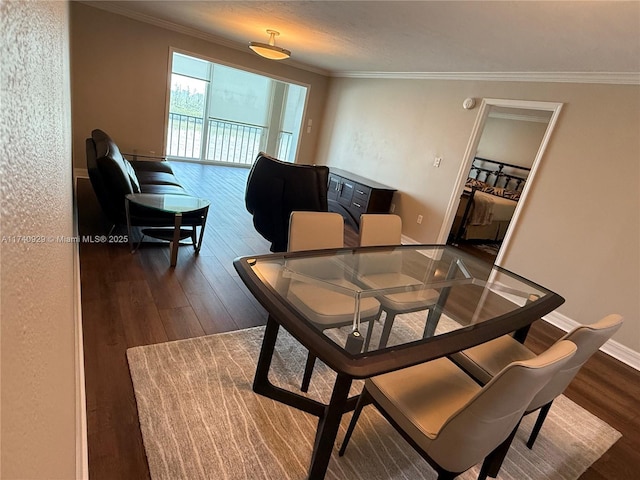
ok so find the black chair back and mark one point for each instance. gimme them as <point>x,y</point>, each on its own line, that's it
<point>276,188</point>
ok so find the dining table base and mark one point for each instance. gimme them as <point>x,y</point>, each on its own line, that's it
<point>329,415</point>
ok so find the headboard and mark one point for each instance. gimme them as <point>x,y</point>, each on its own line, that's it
<point>495,178</point>
<point>499,174</point>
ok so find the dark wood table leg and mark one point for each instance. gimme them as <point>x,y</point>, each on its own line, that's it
<point>386,329</point>
<point>175,243</point>
<point>329,415</point>
<point>433,318</point>
<point>328,428</point>
<point>261,379</point>
<point>197,245</point>
<point>126,209</point>
<point>521,335</point>
<point>435,312</point>
<point>263,386</point>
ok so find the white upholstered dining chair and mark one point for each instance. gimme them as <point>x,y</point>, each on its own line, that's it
<point>326,308</point>
<point>484,361</point>
<point>382,230</point>
<point>448,418</point>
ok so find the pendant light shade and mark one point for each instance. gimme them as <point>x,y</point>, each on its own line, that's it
<point>269,50</point>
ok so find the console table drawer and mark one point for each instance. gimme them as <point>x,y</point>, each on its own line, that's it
<point>360,207</point>
<point>361,193</point>
<point>352,195</point>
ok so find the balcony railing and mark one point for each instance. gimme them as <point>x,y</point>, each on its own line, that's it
<point>228,142</point>
<point>184,136</point>
<point>232,142</point>
<point>284,144</point>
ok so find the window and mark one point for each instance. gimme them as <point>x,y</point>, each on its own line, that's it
<point>226,115</point>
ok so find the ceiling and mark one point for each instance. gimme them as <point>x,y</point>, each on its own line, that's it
<point>344,38</point>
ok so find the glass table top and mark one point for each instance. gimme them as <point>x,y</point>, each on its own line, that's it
<point>426,291</point>
<point>168,202</point>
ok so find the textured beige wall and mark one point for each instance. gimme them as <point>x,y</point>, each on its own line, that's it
<point>119,70</point>
<point>37,277</point>
<point>578,234</point>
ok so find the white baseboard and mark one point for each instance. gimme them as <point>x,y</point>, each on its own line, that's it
<point>408,240</point>
<point>80,173</point>
<point>82,447</point>
<point>611,347</point>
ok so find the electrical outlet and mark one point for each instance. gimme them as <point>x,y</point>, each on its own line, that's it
<point>419,220</point>
<point>392,208</point>
<point>436,161</point>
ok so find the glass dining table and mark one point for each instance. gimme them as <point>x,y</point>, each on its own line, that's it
<point>436,299</point>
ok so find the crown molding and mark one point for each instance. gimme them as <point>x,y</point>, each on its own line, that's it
<point>615,78</point>
<point>192,32</point>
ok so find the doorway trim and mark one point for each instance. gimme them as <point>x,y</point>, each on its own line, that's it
<point>472,146</point>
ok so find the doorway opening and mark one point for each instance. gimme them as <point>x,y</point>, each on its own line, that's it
<point>504,151</point>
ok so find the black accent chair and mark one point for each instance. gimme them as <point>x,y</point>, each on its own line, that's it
<point>276,188</point>
<point>113,177</point>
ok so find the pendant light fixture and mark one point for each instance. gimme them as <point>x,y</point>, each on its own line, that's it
<point>269,50</point>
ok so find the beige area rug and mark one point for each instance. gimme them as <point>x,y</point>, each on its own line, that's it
<point>201,420</point>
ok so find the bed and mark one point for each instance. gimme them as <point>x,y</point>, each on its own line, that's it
<point>489,200</point>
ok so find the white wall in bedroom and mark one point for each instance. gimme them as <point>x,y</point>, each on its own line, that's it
<point>511,140</point>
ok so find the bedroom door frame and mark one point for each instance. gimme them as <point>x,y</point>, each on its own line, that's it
<point>472,146</point>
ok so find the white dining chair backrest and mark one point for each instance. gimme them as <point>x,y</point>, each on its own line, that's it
<point>588,339</point>
<point>380,229</point>
<point>323,306</point>
<point>315,230</point>
<point>488,418</point>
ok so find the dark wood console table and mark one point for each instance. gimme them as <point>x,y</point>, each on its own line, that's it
<point>351,195</point>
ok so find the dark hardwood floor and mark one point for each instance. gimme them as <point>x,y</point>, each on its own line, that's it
<point>136,299</point>
<point>477,251</point>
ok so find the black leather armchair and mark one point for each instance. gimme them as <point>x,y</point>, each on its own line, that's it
<point>276,188</point>
<point>113,177</point>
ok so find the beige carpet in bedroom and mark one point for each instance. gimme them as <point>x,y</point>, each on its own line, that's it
<point>201,420</point>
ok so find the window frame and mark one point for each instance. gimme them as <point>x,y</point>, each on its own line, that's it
<point>224,63</point>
